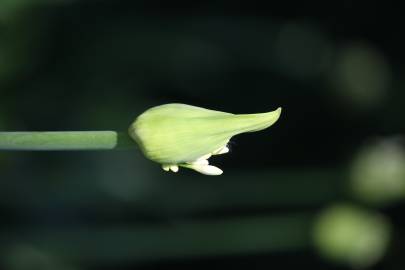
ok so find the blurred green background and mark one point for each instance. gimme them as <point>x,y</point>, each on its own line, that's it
<point>323,188</point>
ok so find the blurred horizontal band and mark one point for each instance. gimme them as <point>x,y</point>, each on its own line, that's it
<point>64,140</point>
<point>176,240</point>
<point>169,195</point>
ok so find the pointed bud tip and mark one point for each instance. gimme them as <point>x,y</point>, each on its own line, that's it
<point>273,116</point>
<point>277,112</point>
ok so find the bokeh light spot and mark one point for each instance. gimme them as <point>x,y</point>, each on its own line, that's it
<point>378,172</point>
<point>361,76</point>
<point>302,51</point>
<point>350,235</point>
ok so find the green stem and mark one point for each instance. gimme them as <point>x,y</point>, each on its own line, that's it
<point>64,140</point>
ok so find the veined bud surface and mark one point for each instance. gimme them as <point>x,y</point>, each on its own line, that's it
<point>183,135</point>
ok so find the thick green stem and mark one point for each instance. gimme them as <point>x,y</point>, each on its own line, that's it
<point>64,140</point>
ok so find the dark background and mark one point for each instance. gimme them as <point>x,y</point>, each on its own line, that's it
<point>335,68</point>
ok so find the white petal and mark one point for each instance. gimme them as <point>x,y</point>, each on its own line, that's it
<point>166,167</point>
<point>207,169</point>
<point>199,162</point>
<point>174,168</point>
<point>207,156</point>
<point>222,150</point>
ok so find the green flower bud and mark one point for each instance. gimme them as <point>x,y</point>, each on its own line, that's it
<point>182,135</point>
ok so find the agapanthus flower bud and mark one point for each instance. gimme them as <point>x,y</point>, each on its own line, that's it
<point>182,135</point>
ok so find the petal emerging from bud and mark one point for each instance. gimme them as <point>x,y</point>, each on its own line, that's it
<point>174,168</point>
<point>183,134</point>
<point>222,150</point>
<point>204,169</point>
<point>200,162</point>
